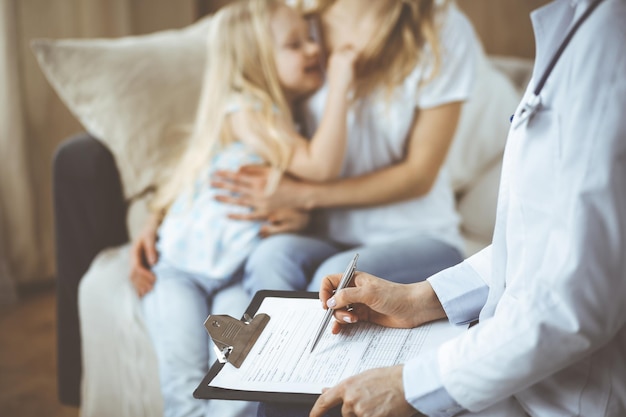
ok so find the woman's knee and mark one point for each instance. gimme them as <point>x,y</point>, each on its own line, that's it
<point>284,262</point>
<point>282,410</point>
<point>332,265</point>
<point>291,410</point>
<point>404,261</point>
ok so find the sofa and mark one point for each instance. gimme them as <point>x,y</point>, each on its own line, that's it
<point>104,178</point>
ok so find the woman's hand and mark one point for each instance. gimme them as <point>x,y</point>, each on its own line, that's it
<point>246,187</point>
<point>285,221</point>
<point>144,255</point>
<point>374,393</point>
<point>379,301</point>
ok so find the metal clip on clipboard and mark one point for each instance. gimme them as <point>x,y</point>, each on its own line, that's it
<point>234,338</point>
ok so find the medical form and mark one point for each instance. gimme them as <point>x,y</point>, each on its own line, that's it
<point>281,361</point>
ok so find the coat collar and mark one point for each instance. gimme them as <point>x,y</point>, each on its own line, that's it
<point>551,23</point>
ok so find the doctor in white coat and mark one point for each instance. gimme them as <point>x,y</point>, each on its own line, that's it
<point>550,292</point>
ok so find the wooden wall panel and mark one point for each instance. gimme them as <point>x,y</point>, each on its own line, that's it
<point>210,6</point>
<point>503,25</point>
<point>47,122</point>
<point>152,15</point>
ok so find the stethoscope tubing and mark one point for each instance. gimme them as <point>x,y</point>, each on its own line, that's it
<point>563,45</point>
<point>534,101</point>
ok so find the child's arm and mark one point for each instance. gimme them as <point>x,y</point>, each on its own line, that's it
<point>321,158</point>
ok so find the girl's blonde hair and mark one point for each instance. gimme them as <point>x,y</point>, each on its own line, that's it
<point>240,62</point>
<point>407,28</point>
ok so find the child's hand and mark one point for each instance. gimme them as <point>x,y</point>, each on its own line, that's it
<point>341,67</point>
<point>143,256</point>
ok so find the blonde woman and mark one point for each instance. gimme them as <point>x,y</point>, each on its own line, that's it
<point>393,204</point>
<point>261,63</point>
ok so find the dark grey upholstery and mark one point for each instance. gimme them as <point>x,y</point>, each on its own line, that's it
<point>89,215</point>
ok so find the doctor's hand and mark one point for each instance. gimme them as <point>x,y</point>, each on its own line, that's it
<point>246,187</point>
<point>143,256</point>
<point>374,393</point>
<point>379,301</point>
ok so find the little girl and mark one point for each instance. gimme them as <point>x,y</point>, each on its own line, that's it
<point>261,63</point>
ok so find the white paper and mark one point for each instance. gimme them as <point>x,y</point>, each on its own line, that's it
<point>280,360</point>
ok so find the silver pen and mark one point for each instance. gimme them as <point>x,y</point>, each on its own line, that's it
<point>346,278</point>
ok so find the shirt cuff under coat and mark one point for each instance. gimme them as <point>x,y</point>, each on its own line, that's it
<point>461,291</point>
<point>423,388</point>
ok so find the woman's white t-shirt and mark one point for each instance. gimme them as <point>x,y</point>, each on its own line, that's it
<point>378,131</point>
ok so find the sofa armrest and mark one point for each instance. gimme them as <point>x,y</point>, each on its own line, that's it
<point>89,215</point>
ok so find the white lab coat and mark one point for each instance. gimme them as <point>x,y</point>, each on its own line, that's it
<point>552,333</point>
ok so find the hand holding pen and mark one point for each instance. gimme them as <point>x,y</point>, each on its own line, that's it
<point>346,278</point>
<point>380,301</point>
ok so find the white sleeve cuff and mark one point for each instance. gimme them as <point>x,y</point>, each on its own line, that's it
<point>461,291</point>
<point>423,388</point>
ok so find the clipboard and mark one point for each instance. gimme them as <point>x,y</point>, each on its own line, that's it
<point>205,391</point>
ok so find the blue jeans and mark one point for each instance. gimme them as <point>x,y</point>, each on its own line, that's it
<point>175,311</point>
<point>295,262</point>
<point>290,410</point>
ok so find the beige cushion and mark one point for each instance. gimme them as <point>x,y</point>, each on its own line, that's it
<point>137,216</point>
<point>475,158</point>
<point>135,94</point>
<point>482,130</point>
<point>518,70</point>
<point>120,370</point>
<point>477,208</point>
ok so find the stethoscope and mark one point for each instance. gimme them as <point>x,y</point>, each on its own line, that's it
<point>533,103</point>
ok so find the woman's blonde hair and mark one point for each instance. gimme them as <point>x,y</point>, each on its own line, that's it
<point>406,29</point>
<point>240,62</point>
